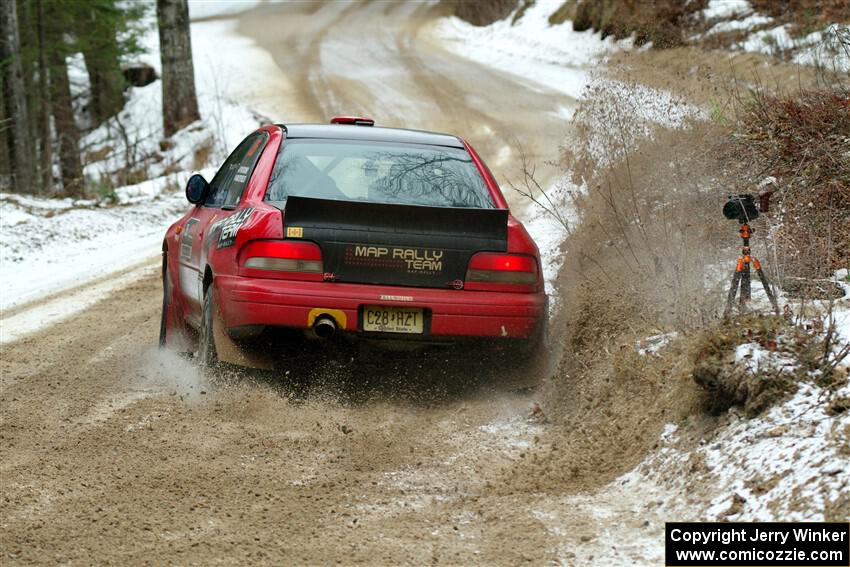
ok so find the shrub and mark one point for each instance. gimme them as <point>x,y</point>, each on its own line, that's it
<point>804,15</point>
<point>480,12</point>
<point>662,22</point>
<point>802,140</point>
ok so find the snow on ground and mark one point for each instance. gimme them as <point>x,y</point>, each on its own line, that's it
<point>55,244</point>
<point>201,9</point>
<point>733,25</point>
<point>782,466</point>
<point>785,465</point>
<point>634,109</point>
<point>559,58</point>
<point>68,303</point>
<point>755,358</point>
<point>652,346</point>
<point>233,99</point>
<point>540,53</point>
<point>841,313</point>
<point>719,9</point>
<point>817,48</point>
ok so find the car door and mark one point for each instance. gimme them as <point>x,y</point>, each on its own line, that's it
<point>225,193</point>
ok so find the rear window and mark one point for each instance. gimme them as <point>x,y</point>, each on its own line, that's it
<point>406,174</point>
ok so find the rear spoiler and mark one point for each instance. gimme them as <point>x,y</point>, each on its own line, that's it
<point>410,225</point>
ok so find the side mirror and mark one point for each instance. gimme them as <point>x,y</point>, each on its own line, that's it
<point>197,189</point>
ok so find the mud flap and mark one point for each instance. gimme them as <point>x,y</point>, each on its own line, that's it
<point>229,351</point>
<point>177,335</point>
<point>174,333</point>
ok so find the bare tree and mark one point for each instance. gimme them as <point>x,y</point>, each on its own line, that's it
<point>179,103</point>
<point>19,139</point>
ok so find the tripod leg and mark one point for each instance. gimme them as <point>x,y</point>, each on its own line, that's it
<point>730,299</point>
<point>746,287</point>
<point>766,285</point>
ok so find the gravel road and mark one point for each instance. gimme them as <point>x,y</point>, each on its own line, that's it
<point>112,452</point>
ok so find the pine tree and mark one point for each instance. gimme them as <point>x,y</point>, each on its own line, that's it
<point>104,36</point>
<point>106,83</point>
<point>31,32</point>
<point>18,136</point>
<point>179,103</point>
<point>37,119</point>
<point>61,103</point>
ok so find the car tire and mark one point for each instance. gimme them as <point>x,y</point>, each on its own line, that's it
<point>207,356</point>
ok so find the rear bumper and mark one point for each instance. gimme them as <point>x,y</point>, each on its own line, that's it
<point>449,313</point>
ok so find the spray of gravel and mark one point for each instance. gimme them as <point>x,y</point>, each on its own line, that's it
<point>171,373</point>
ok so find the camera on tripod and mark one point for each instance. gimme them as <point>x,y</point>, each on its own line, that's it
<point>743,207</point>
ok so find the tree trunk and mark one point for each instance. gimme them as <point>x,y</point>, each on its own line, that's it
<point>66,128</point>
<point>5,167</point>
<point>179,103</point>
<point>44,135</point>
<point>106,81</point>
<point>19,140</point>
<point>28,46</point>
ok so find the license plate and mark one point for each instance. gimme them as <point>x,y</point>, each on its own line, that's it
<point>380,319</point>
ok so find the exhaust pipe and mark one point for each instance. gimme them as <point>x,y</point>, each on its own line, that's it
<point>324,327</point>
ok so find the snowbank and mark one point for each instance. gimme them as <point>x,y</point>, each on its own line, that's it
<point>785,465</point>
<point>55,244</point>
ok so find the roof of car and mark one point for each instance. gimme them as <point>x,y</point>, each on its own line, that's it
<point>370,133</point>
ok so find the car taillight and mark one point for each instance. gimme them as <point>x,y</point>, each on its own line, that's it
<point>283,259</point>
<point>489,271</point>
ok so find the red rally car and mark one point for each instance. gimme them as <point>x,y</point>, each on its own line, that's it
<point>376,234</point>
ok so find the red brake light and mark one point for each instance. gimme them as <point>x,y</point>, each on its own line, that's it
<point>353,120</point>
<point>488,261</point>
<point>489,271</point>
<point>288,259</point>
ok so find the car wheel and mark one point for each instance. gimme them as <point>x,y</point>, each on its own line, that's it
<point>207,355</point>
